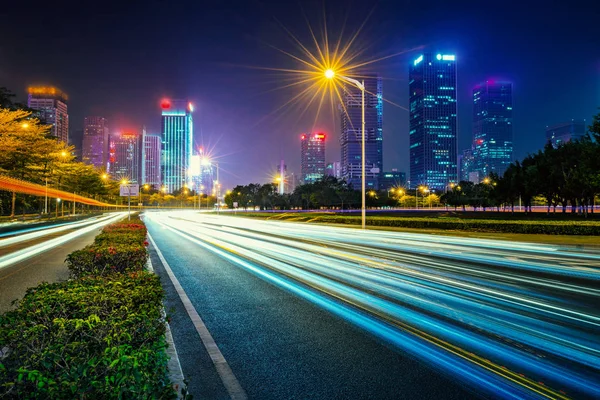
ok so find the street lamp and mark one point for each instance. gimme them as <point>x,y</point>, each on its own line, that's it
<point>330,74</point>
<point>426,190</point>
<point>124,182</point>
<point>422,188</point>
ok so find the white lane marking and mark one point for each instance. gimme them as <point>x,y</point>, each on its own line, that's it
<point>174,366</point>
<point>31,251</point>
<point>229,380</point>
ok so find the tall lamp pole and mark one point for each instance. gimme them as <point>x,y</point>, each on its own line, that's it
<point>330,74</point>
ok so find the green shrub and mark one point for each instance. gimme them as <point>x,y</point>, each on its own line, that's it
<point>106,259</point>
<point>94,337</point>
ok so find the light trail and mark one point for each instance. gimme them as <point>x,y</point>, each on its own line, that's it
<point>512,319</point>
<point>20,255</point>
<point>29,234</point>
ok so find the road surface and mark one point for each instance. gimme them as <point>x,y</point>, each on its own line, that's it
<point>34,255</point>
<point>312,311</point>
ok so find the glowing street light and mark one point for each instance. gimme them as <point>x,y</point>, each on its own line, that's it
<point>330,74</point>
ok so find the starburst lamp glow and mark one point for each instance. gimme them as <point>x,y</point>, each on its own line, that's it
<point>329,73</point>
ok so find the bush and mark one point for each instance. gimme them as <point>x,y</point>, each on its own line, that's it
<point>106,259</point>
<point>119,248</point>
<point>94,337</point>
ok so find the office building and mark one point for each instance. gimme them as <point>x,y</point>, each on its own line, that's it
<point>351,134</point>
<point>334,169</point>
<point>492,128</point>
<point>125,150</point>
<point>177,134</point>
<point>94,148</point>
<point>312,162</point>
<point>51,108</point>
<point>392,179</point>
<point>151,155</point>
<point>565,132</point>
<point>432,102</point>
<point>466,163</point>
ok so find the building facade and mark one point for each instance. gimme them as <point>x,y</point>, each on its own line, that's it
<point>125,149</point>
<point>351,134</point>
<point>50,104</point>
<point>433,132</point>
<point>492,128</point>
<point>312,157</point>
<point>95,143</point>
<point>565,132</point>
<point>466,163</point>
<point>392,179</point>
<point>177,133</point>
<point>151,155</point>
<point>334,169</point>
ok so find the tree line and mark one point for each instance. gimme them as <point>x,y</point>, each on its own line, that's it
<point>564,177</point>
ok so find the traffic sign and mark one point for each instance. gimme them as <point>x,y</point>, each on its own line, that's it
<point>131,189</point>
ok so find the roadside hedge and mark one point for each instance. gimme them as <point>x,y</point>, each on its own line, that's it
<point>87,338</point>
<point>100,335</point>
<point>119,248</point>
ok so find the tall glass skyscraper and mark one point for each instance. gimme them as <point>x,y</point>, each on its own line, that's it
<point>95,144</point>
<point>151,153</point>
<point>351,135</point>
<point>432,98</point>
<point>177,132</point>
<point>126,156</point>
<point>312,161</point>
<point>492,128</point>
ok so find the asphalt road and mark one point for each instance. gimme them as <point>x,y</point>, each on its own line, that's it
<point>305,311</point>
<point>32,256</point>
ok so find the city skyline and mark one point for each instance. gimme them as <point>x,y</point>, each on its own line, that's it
<point>228,104</point>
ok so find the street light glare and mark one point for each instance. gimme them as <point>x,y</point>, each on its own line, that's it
<point>329,73</point>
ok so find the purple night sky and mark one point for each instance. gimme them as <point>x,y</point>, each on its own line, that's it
<point>119,59</point>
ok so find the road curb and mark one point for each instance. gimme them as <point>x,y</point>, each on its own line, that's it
<point>174,366</point>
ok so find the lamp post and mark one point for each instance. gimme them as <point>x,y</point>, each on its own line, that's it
<point>124,182</point>
<point>200,198</point>
<point>426,190</point>
<point>330,74</point>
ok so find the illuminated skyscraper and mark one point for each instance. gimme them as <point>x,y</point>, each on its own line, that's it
<point>433,143</point>
<point>466,163</point>
<point>492,128</point>
<point>151,154</point>
<point>312,161</point>
<point>177,132</point>
<point>351,135</point>
<point>126,152</point>
<point>565,132</point>
<point>51,106</point>
<point>94,149</point>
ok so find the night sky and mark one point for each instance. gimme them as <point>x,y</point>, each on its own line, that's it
<point>118,59</point>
